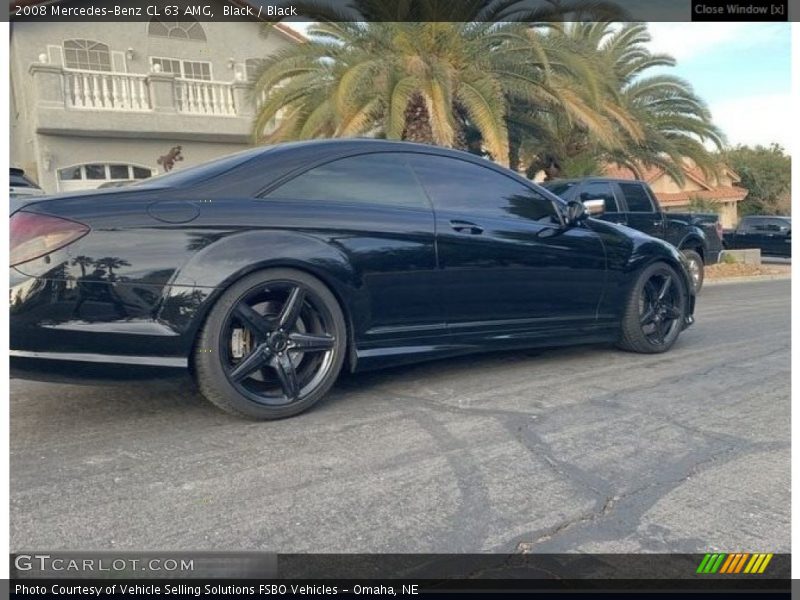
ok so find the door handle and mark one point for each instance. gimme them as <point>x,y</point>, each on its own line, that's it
<point>466,227</point>
<point>658,223</point>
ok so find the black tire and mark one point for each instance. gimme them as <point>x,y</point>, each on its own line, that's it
<point>648,328</point>
<point>272,346</point>
<point>696,268</point>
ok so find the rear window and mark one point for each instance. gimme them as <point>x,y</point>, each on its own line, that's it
<point>201,172</point>
<point>17,181</point>
<point>17,178</point>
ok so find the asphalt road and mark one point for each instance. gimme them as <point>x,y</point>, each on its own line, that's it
<point>584,449</point>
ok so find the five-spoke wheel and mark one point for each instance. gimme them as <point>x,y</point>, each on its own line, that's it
<point>272,345</point>
<point>655,312</point>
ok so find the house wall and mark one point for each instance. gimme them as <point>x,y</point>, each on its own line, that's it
<point>666,185</point>
<point>729,214</point>
<point>46,135</point>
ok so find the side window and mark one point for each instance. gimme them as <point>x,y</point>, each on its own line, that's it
<point>597,189</point>
<point>369,179</point>
<point>458,185</point>
<point>636,197</point>
<point>777,225</point>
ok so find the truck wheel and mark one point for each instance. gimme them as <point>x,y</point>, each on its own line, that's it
<point>696,270</point>
<point>655,312</point>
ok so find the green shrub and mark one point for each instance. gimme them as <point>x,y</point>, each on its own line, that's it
<point>729,259</point>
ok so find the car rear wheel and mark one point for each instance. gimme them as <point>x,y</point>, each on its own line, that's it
<point>695,266</point>
<point>272,345</point>
<point>655,313</point>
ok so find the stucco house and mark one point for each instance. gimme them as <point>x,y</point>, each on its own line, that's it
<point>722,190</point>
<point>93,102</point>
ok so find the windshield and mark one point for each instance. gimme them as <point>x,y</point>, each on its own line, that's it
<point>560,188</point>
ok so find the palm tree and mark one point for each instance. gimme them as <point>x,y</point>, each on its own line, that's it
<point>83,262</point>
<point>111,263</point>
<point>674,123</point>
<point>429,80</point>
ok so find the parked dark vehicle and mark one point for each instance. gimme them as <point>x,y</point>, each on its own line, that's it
<point>264,273</point>
<point>22,185</point>
<point>698,236</point>
<point>771,234</point>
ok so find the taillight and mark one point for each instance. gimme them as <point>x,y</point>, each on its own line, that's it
<point>719,229</point>
<point>34,235</point>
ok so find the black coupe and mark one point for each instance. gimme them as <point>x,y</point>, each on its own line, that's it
<point>266,272</point>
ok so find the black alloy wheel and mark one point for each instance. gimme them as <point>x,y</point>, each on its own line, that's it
<point>656,311</point>
<point>272,346</point>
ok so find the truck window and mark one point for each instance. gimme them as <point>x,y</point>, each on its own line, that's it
<point>776,225</point>
<point>597,189</point>
<point>759,225</point>
<point>636,197</point>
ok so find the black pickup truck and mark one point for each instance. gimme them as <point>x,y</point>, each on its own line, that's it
<point>632,203</point>
<point>771,234</point>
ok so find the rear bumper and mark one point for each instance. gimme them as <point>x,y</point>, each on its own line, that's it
<point>59,333</point>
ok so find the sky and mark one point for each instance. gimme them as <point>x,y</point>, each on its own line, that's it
<point>741,70</point>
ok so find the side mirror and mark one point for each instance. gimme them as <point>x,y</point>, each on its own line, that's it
<point>576,213</point>
<point>595,206</point>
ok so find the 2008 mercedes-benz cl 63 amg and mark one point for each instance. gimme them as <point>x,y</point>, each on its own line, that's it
<point>264,273</point>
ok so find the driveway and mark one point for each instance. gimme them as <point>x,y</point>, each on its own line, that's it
<point>560,450</point>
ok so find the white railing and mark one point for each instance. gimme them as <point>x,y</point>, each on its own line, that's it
<point>106,91</point>
<point>204,97</point>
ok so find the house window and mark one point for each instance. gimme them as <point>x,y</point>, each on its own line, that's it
<point>100,172</point>
<point>179,30</point>
<point>185,69</point>
<point>87,54</point>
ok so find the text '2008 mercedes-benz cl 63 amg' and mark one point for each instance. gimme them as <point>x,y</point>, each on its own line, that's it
<point>265,273</point>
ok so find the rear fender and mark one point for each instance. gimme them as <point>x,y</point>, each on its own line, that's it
<point>694,238</point>
<point>213,269</point>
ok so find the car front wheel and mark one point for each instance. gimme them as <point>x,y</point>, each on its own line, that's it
<point>272,345</point>
<point>655,313</point>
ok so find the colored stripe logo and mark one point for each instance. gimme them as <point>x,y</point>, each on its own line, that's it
<point>741,562</point>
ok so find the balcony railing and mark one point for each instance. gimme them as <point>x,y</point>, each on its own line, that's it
<point>204,97</point>
<point>106,91</point>
<point>131,92</point>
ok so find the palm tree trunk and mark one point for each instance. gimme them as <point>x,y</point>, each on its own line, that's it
<point>418,123</point>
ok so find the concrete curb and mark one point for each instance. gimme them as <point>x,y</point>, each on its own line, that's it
<point>748,279</point>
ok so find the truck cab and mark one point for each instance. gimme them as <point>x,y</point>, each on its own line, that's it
<point>633,203</point>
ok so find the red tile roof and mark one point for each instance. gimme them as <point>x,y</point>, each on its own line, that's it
<point>724,193</point>
<point>710,191</point>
